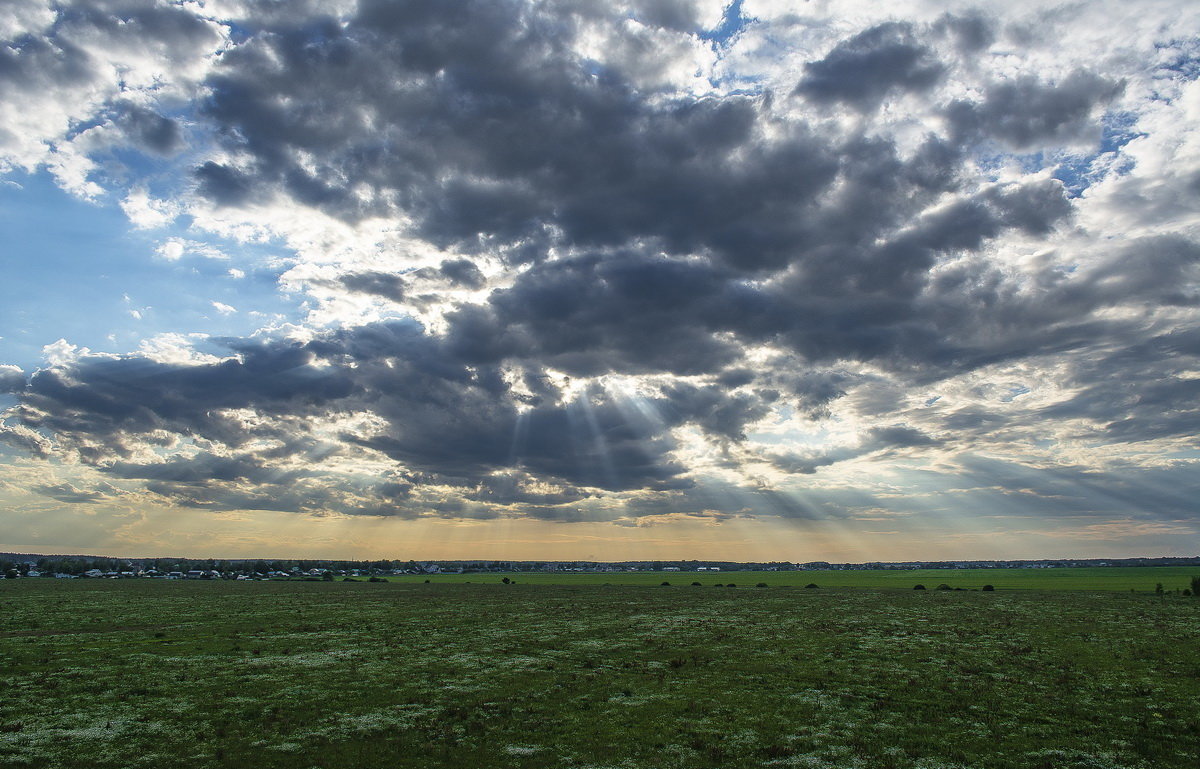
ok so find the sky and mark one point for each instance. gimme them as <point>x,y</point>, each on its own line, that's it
<point>643,279</point>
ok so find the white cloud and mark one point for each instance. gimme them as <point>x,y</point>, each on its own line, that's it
<point>174,249</point>
<point>62,352</point>
<point>147,213</point>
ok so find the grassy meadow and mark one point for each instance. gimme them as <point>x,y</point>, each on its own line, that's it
<point>155,674</point>
<point>1137,578</point>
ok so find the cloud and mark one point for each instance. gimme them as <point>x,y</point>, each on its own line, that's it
<point>585,262</point>
<point>12,379</point>
<point>70,64</point>
<point>861,70</point>
<point>65,492</point>
<point>1026,113</point>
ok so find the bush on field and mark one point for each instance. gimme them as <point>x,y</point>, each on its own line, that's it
<point>988,588</point>
<point>377,579</point>
<point>695,584</point>
<point>942,586</point>
<point>1195,585</point>
<point>812,584</point>
<point>666,584</point>
<point>918,587</point>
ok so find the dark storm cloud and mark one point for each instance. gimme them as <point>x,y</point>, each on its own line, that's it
<point>862,70</point>
<point>102,401</point>
<point>223,184</point>
<point>468,433</point>
<point>65,492</point>
<point>491,133</point>
<point>601,313</point>
<point>149,130</point>
<point>476,119</point>
<point>1027,112</point>
<point>971,31</point>
<point>634,313</point>
<point>383,284</point>
<point>462,272</point>
<point>456,273</point>
<point>459,425</point>
<point>12,379</point>
<point>815,390</point>
<point>717,411</point>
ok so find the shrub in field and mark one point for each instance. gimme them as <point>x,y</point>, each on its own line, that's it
<point>732,584</point>
<point>942,586</point>
<point>761,584</point>
<point>377,579</point>
<point>918,587</point>
<point>988,588</point>
<point>719,584</point>
<point>695,584</point>
<point>506,581</point>
<point>812,584</point>
<point>666,584</point>
<point>1195,585</point>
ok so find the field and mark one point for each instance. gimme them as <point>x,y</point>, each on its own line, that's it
<point>1100,578</point>
<point>105,674</point>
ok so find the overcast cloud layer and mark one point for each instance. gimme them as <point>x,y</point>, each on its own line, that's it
<point>918,266</point>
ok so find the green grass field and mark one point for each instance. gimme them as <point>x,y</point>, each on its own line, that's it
<point>152,674</point>
<point>1138,578</point>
